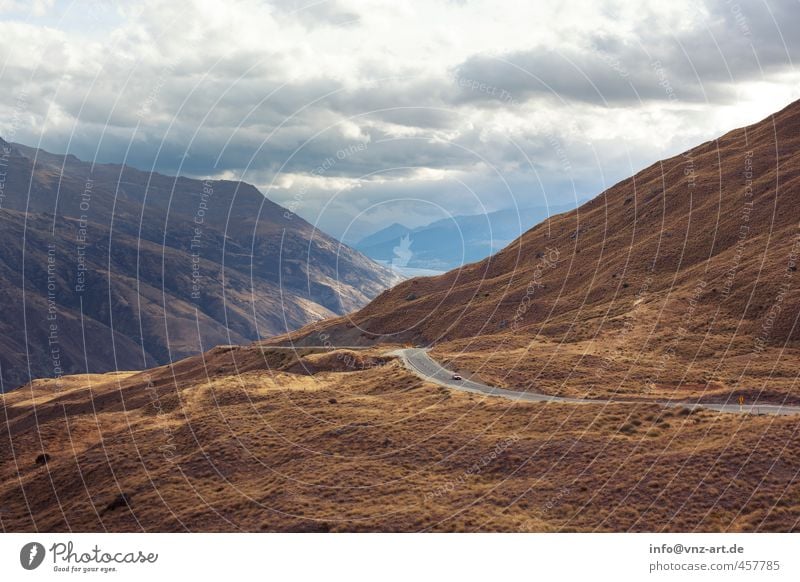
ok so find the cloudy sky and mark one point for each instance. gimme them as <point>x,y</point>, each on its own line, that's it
<point>359,113</point>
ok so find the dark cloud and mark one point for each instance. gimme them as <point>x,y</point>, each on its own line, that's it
<point>734,43</point>
<point>177,93</point>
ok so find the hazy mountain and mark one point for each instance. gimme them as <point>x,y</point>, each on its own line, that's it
<point>451,242</point>
<point>107,267</point>
<point>391,234</point>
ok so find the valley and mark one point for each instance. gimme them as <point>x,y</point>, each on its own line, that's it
<point>645,346</point>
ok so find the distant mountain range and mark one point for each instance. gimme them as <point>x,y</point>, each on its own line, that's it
<point>451,242</point>
<point>106,267</point>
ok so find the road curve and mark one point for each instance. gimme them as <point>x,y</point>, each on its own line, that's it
<point>420,363</point>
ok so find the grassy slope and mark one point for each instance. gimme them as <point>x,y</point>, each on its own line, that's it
<point>376,449</point>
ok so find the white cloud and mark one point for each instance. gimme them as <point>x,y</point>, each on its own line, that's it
<point>447,94</point>
<point>32,7</point>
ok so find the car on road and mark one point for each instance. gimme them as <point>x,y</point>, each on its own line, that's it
<point>457,377</point>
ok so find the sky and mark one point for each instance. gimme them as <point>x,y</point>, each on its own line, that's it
<point>358,114</point>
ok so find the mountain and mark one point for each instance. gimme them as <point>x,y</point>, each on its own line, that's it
<point>107,267</point>
<point>391,234</point>
<point>681,277</point>
<point>451,242</point>
<point>678,283</point>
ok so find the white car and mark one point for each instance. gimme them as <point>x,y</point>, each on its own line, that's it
<point>457,377</point>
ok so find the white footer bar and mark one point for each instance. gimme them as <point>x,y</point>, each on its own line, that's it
<point>406,558</point>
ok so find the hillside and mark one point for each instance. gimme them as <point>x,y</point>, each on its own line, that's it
<point>105,267</point>
<point>652,291</point>
<point>245,440</point>
<point>681,278</point>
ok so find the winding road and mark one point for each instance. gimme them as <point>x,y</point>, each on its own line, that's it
<point>420,363</point>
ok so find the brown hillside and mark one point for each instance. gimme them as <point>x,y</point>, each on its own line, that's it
<point>691,262</point>
<point>654,289</point>
<point>373,449</point>
<point>136,269</point>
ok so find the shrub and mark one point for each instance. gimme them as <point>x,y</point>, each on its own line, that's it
<point>121,500</point>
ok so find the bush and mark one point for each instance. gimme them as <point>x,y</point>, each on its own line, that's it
<point>121,500</point>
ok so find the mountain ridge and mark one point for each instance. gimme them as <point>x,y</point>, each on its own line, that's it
<point>159,267</point>
<point>641,296</point>
<point>693,257</point>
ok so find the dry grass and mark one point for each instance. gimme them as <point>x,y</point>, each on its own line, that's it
<point>645,366</point>
<point>377,450</point>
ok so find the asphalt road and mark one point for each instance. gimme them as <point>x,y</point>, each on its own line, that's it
<point>418,361</point>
